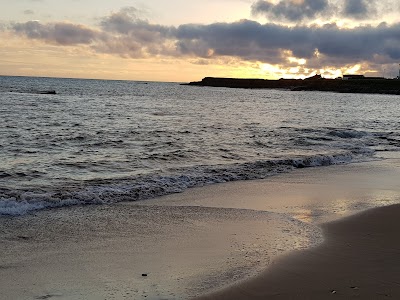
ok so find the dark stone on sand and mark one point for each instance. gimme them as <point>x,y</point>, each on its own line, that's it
<point>144,275</point>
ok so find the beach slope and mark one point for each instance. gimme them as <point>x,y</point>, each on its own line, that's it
<point>360,258</point>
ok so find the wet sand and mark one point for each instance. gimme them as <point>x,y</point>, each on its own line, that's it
<point>360,258</point>
<point>140,252</point>
<point>200,241</point>
<point>311,195</point>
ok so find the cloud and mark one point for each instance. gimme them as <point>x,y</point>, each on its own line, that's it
<point>297,11</point>
<point>359,9</point>
<point>123,33</point>
<point>29,12</point>
<point>291,10</point>
<point>253,41</point>
<point>57,33</point>
<point>126,22</point>
<point>229,39</point>
<point>127,35</point>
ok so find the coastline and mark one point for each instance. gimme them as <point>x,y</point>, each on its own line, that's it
<point>128,251</point>
<point>358,86</point>
<point>188,244</point>
<point>358,259</point>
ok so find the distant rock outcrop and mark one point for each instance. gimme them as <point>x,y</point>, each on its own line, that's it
<point>315,83</point>
<point>47,92</point>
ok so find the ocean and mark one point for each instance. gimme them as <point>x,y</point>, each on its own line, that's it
<point>104,142</point>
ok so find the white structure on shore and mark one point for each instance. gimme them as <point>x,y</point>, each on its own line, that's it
<point>352,76</point>
<point>398,77</point>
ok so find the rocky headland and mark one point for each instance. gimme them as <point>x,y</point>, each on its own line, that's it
<point>366,85</point>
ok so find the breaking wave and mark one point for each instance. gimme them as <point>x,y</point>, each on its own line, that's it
<point>15,203</point>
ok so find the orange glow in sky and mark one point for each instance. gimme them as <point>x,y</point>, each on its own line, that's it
<point>181,41</point>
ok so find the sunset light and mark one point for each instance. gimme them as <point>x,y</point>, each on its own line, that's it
<point>292,36</point>
<point>209,150</point>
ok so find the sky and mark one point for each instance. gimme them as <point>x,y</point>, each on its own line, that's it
<point>182,40</point>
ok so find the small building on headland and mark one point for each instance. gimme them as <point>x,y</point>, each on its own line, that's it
<point>350,77</point>
<point>315,77</point>
<point>361,77</point>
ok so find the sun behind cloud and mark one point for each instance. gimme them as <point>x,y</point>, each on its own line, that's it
<point>125,45</point>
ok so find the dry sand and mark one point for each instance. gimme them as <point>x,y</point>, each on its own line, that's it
<point>360,258</point>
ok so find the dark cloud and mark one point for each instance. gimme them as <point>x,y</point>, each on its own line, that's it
<point>251,40</point>
<point>126,22</point>
<point>291,10</point>
<point>124,34</point>
<point>231,39</point>
<point>121,33</point>
<point>57,33</point>
<point>129,36</point>
<point>29,12</point>
<point>303,10</point>
<point>359,9</point>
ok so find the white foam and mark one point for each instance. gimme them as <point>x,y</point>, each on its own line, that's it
<point>151,186</point>
<point>12,207</point>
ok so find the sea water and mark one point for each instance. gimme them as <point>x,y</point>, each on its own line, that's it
<point>98,141</point>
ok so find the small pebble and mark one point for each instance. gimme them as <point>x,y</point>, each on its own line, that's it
<point>144,275</point>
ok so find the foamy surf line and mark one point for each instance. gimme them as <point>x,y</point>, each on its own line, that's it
<point>17,203</point>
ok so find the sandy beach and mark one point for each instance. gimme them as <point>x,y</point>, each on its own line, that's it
<point>296,235</point>
<point>140,252</point>
<point>359,259</point>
